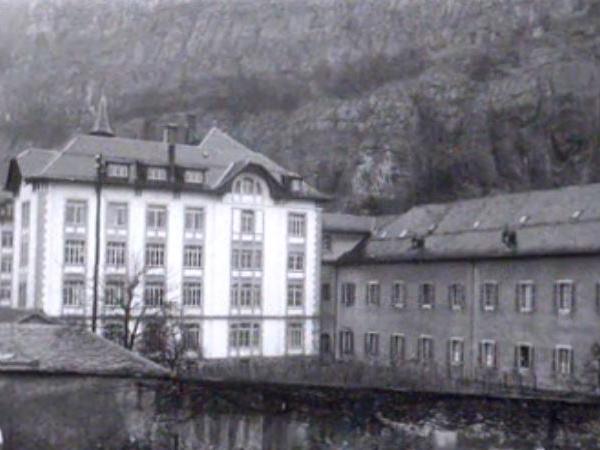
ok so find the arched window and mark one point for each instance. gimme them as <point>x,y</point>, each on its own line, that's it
<point>247,185</point>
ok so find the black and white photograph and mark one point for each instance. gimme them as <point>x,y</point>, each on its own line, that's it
<point>299,224</point>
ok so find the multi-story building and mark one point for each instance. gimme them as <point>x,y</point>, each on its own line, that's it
<point>6,248</point>
<point>222,232</point>
<point>504,289</point>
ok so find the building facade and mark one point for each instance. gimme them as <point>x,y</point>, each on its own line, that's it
<point>6,248</point>
<point>225,237</point>
<point>503,290</point>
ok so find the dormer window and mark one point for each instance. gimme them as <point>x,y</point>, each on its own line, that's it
<point>247,186</point>
<point>296,184</point>
<point>117,170</point>
<point>194,176</point>
<point>156,174</point>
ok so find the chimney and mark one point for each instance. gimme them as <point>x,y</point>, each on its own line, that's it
<point>170,137</point>
<point>191,138</point>
<point>101,122</point>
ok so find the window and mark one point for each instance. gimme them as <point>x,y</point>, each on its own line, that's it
<point>487,354</point>
<point>247,221</point>
<point>563,359</point>
<point>192,293</point>
<point>192,257</point>
<point>398,294</point>
<point>346,342</point>
<point>24,252</point>
<point>525,296</point>
<point>7,239</point>
<point>244,335</point>
<point>117,170</point>
<point>427,295</point>
<point>153,336</point>
<point>325,292</point>
<point>155,255</point>
<point>456,351</point>
<point>190,336</point>
<point>295,336</point>
<point>73,292</point>
<point>371,343</point>
<point>246,259</point>
<point>246,294</point>
<point>156,174</point>
<point>115,254</point>
<point>75,214</point>
<point>397,347</point>
<point>6,264</point>
<point>74,252</point>
<point>489,296</point>
<point>373,291</point>
<point>425,348</point>
<point>5,290</point>
<point>154,293</point>
<point>456,297</point>
<point>327,242</point>
<point>22,299</point>
<point>114,332</point>
<point>247,186</point>
<point>194,219</point>
<point>194,176</point>
<point>25,215</point>
<point>564,296</point>
<point>524,357</point>
<point>114,293</point>
<point>156,218</point>
<point>295,294</point>
<point>348,294</point>
<point>325,344</point>
<point>296,261</point>
<point>297,225</point>
<point>117,215</point>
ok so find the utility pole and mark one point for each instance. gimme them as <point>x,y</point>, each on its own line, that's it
<point>99,176</point>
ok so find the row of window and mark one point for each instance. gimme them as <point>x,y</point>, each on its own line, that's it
<point>156,218</point>
<point>525,294</point>
<point>153,173</point>
<point>246,335</point>
<point>524,354</point>
<point>243,293</point>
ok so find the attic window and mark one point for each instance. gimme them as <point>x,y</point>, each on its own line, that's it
<point>523,219</point>
<point>577,214</point>
<point>476,224</point>
<point>157,174</point>
<point>194,176</point>
<point>296,184</point>
<point>117,170</point>
<point>247,186</point>
<point>403,233</point>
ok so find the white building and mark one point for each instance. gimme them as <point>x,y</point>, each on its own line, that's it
<point>222,232</point>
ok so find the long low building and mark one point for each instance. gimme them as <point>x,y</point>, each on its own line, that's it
<point>504,289</point>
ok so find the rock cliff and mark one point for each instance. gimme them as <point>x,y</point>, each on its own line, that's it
<point>384,103</point>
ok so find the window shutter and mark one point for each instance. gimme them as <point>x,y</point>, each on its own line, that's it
<point>351,341</point>
<point>556,297</point>
<point>532,356</point>
<point>516,356</point>
<point>463,297</point>
<point>517,299</point>
<point>496,296</point>
<point>480,354</point>
<point>573,297</point>
<point>432,355</point>
<point>495,354</point>
<point>533,290</point>
<point>450,296</point>
<point>554,360</point>
<point>420,349</point>
<point>449,352</point>
<point>367,343</point>
<point>572,356</point>
<point>482,296</point>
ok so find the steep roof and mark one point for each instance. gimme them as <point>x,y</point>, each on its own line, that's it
<point>61,349</point>
<point>558,221</point>
<point>215,154</point>
<point>348,223</point>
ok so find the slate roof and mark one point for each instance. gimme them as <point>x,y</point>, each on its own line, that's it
<point>348,223</point>
<point>62,349</point>
<point>216,153</point>
<point>549,222</point>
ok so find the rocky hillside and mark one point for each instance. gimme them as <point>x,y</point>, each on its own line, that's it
<point>383,102</point>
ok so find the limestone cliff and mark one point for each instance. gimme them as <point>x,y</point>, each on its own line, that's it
<point>382,102</point>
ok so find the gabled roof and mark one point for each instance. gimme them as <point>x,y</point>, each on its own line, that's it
<point>61,349</point>
<point>215,154</point>
<point>549,222</point>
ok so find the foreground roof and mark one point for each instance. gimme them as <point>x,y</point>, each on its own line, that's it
<point>348,223</point>
<point>62,349</point>
<point>550,222</point>
<point>217,154</point>
<point>16,315</point>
